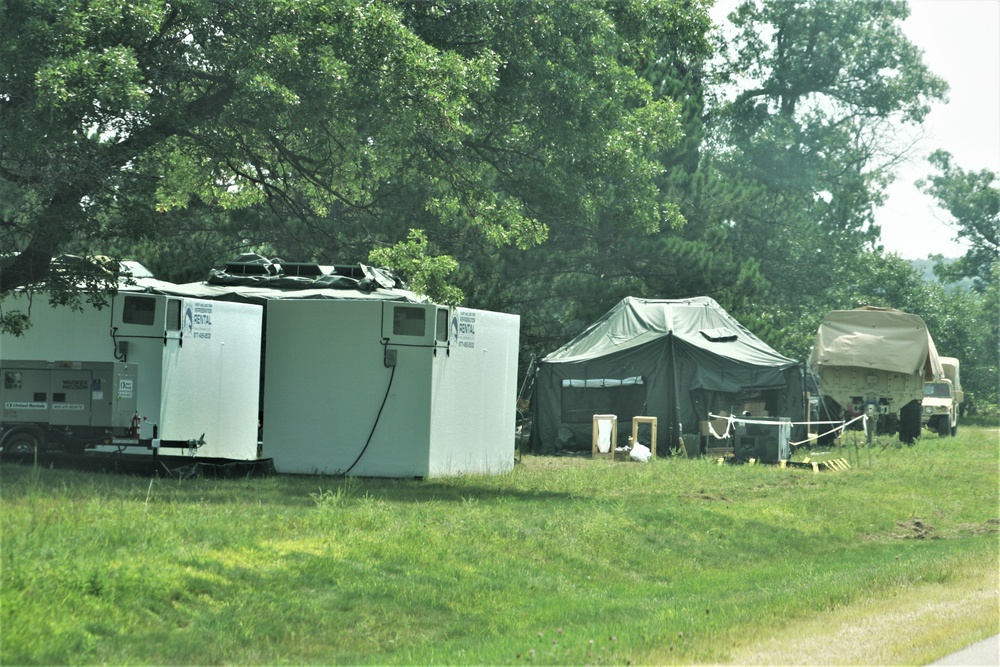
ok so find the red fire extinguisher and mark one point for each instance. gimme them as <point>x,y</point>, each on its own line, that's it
<point>135,426</point>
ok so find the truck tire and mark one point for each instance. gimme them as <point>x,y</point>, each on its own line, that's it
<point>22,443</point>
<point>943,427</point>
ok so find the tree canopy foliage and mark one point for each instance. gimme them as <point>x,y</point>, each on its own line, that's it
<point>807,98</point>
<point>973,200</point>
<point>537,157</point>
<point>115,113</point>
<point>352,121</point>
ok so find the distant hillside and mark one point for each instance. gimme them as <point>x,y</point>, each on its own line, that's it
<point>926,269</point>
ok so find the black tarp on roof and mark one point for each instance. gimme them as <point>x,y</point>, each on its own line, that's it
<point>255,279</point>
<point>676,360</point>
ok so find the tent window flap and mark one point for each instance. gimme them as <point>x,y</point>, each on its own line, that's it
<point>602,383</point>
<point>582,399</point>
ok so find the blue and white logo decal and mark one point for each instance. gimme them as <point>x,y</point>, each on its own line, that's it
<point>463,328</point>
<point>198,320</point>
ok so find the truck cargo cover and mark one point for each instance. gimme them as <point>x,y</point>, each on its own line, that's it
<point>878,338</point>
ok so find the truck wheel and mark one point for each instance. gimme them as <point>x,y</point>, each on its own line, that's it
<point>22,444</point>
<point>943,427</point>
<point>954,430</point>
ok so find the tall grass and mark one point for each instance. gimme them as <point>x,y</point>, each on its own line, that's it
<point>562,561</point>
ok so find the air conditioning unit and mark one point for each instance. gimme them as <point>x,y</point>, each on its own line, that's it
<point>423,324</point>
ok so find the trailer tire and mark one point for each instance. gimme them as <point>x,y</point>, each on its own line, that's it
<point>888,424</point>
<point>829,410</point>
<point>909,422</point>
<point>23,443</point>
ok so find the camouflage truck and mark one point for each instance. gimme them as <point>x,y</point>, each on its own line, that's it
<point>942,399</point>
<point>875,362</point>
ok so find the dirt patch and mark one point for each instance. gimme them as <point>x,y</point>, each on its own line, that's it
<point>985,528</point>
<point>705,496</point>
<point>914,529</point>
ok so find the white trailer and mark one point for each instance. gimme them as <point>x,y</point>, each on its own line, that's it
<point>381,388</point>
<point>190,368</point>
<point>364,378</point>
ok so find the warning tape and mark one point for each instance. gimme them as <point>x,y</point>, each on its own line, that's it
<point>831,464</point>
<point>732,419</point>
<point>843,426</point>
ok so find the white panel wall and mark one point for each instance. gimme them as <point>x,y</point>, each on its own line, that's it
<point>325,380</point>
<point>211,379</point>
<point>59,333</point>
<point>448,405</point>
<point>475,390</point>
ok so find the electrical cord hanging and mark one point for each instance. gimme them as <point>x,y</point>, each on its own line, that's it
<point>114,341</point>
<point>114,331</point>
<point>378,416</point>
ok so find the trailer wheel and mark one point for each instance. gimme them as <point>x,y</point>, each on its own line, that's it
<point>909,422</point>
<point>22,443</point>
<point>888,424</point>
<point>829,410</point>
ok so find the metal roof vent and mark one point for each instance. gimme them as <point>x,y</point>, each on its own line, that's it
<point>251,264</point>
<point>302,269</point>
<point>720,335</point>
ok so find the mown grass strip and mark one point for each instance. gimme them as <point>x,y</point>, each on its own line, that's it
<point>562,561</point>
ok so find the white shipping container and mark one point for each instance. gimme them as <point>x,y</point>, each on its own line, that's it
<point>388,389</point>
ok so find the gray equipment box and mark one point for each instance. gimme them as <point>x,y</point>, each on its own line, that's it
<point>69,393</point>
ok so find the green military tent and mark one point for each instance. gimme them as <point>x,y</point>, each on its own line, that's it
<point>678,360</point>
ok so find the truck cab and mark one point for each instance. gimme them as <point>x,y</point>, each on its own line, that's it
<point>942,397</point>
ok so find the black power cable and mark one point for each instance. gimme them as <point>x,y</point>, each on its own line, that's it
<point>378,416</point>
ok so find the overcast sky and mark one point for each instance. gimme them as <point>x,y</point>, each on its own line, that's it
<point>961,44</point>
